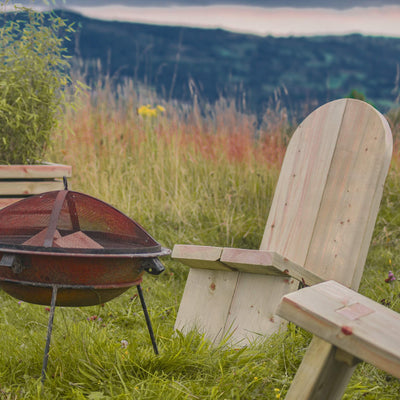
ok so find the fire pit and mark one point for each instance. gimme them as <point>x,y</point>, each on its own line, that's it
<point>65,248</point>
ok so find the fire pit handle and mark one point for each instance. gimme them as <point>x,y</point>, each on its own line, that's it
<point>153,266</point>
<point>55,214</point>
<point>12,261</point>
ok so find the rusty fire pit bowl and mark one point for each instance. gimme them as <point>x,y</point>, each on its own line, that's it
<point>86,248</point>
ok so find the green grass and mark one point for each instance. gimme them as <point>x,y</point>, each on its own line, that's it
<point>186,178</point>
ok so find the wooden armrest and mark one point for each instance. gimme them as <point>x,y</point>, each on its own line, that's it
<point>243,260</point>
<point>267,263</point>
<point>203,257</point>
<point>352,322</point>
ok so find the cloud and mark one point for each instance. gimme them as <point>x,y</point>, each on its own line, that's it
<point>336,4</point>
<point>381,21</point>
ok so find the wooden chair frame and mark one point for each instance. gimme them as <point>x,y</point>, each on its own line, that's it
<point>319,227</point>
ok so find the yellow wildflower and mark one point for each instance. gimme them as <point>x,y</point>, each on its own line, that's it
<point>161,109</point>
<point>143,111</point>
<point>149,111</point>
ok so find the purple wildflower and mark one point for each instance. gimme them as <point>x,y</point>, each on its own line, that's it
<point>390,277</point>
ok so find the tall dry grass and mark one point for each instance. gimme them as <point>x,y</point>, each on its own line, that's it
<point>183,174</point>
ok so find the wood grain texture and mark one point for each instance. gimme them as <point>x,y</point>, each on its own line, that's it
<point>205,302</point>
<point>258,262</point>
<point>350,204</point>
<point>267,263</point>
<point>324,376</point>
<point>301,183</point>
<point>203,257</point>
<point>350,321</point>
<point>35,171</point>
<point>15,188</point>
<point>18,181</point>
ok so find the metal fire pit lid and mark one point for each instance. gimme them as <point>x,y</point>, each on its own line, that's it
<point>67,222</point>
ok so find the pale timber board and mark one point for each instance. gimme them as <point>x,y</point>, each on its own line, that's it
<point>205,302</point>
<point>325,378</point>
<point>8,188</point>
<point>301,183</point>
<point>266,263</point>
<point>35,171</point>
<point>351,199</point>
<point>348,320</point>
<point>208,291</point>
<point>203,257</point>
<point>252,318</point>
<point>291,222</point>
<point>243,260</point>
<point>250,261</point>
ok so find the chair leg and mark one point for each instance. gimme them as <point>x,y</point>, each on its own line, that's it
<point>320,376</point>
<point>49,331</point>
<point>147,317</point>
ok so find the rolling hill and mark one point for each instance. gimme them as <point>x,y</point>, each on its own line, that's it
<point>302,71</point>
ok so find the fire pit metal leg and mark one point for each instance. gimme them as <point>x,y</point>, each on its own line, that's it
<point>148,322</point>
<point>49,330</point>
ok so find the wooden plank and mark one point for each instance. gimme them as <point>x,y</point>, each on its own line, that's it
<point>15,188</point>
<point>325,377</point>
<point>209,288</point>
<point>35,171</point>
<point>267,263</point>
<point>350,204</point>
<point>301,183</point>
<point>259,321</point>
<point>205,302</point>
<point>350,321</point>
<point>250,261</point>
<point>76,240</point>
<point>203,257</point>
<point>242,260</point>
<point>39,238</point>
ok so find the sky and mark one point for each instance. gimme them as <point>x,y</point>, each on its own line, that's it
<point>260,17</point>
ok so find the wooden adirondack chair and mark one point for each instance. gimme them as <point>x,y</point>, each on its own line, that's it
<point>319,227</point>
<point>357,327</point>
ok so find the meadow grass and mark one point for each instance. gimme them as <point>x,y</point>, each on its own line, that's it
<point>187,177</point>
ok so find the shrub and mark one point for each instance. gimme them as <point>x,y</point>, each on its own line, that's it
<point>33,78</point>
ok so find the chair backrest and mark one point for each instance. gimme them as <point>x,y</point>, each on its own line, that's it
<point>324,209</point>
<point>330,186</point>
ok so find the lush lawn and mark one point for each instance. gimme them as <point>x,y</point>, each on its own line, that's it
<point>187,178</point>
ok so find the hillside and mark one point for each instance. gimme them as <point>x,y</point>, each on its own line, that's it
<point>306,71</point>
